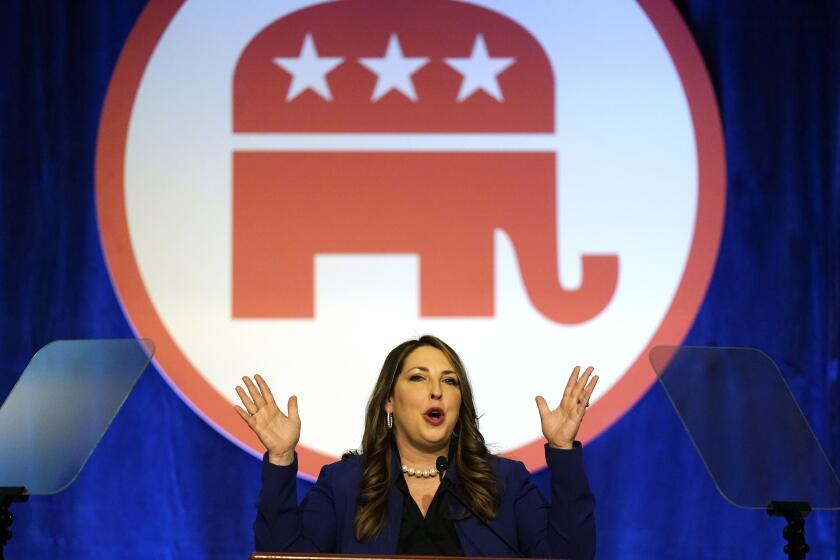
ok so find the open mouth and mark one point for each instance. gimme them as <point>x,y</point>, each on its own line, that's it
<point>434,416</point>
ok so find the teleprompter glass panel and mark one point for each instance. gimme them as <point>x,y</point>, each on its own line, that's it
<point>746,426</point>
<point>61,406</point>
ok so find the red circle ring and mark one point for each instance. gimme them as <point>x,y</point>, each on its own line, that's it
<point>217,411</point>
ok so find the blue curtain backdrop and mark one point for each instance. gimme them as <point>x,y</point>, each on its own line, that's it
<point>163,484</point>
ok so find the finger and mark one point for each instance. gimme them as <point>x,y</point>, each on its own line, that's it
<point>587,393</point>
<point>246,401</point>
<point>266,392</point>
<point>542,407</point>
<point>581,384</point>
<point>293,409</point>
<point>571,382</point>
<point>244,415</point>
<point>257,397</point>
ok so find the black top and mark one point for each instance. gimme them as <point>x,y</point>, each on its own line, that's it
<point>433,535</point>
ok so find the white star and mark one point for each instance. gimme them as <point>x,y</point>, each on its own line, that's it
<point>480,71</point>
<point>393,71</point>
<point>308,70</point>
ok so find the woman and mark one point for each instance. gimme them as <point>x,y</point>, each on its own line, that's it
<point>390,500</point>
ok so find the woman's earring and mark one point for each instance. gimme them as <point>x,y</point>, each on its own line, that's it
<point>389,420</point>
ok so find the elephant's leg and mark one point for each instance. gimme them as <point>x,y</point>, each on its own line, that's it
<point>273,255</point>
<point>278,287</point>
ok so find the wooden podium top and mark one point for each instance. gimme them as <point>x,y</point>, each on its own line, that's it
<point>317,556</point>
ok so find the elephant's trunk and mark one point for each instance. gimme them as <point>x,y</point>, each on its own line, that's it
<point>531,221</point>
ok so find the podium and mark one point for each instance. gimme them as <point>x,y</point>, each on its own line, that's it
<point>315,556</point>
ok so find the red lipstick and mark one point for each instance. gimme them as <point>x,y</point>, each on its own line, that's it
<point>434,416</point>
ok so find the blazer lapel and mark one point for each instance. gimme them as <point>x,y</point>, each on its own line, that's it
<point>385,543</point>
<point>391,531</point>
<point>476,539</point>
<point>468,529</point>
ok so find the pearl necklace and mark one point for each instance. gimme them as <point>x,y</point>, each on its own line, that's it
<point>419,473</point>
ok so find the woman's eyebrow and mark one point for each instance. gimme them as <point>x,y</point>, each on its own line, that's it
<point>425,369</point>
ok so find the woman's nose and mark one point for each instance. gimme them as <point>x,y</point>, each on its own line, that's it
<point>436,390</point>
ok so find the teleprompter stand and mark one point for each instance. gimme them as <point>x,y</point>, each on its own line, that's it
<point>7,496</point>
<point>750,433</point>
<point>794,532</point>
<point>58,411</point>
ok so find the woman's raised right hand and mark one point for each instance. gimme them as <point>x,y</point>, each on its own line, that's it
<point>277,431</point>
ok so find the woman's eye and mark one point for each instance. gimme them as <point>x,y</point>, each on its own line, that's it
<point>451,381</point>
<point>416,377</point>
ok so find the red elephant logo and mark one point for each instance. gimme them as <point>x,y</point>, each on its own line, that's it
<point>240,143</point>
<point>322,71</point>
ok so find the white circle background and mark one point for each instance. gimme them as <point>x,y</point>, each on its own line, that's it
<point>627,185</point>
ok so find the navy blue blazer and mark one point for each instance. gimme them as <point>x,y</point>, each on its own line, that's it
<point>323,522</point>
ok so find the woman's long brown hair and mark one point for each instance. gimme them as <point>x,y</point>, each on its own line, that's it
<point>471,458</point>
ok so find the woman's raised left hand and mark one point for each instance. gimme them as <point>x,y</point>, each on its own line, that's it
<point>560,426</point>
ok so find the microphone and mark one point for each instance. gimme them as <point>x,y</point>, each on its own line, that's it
<point>441,465</point>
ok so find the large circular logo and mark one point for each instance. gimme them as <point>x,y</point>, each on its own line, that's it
<point>293,188</point>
